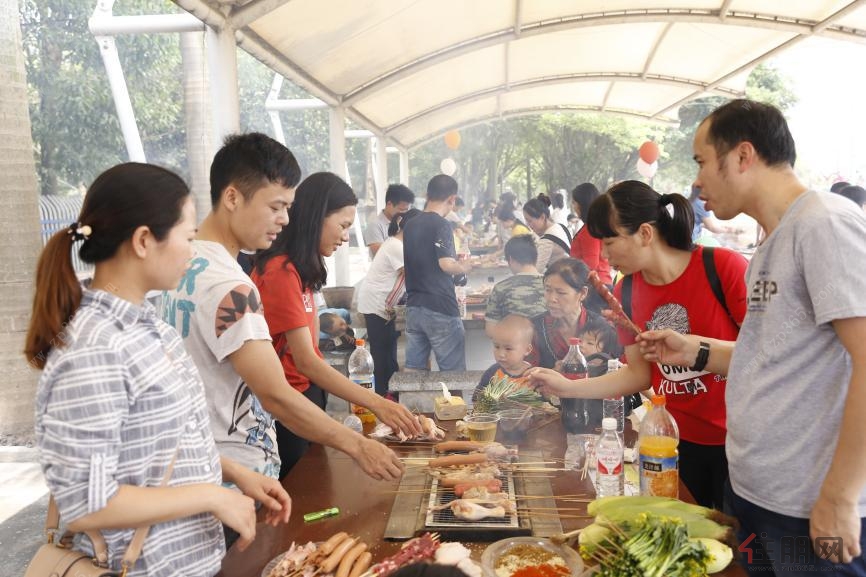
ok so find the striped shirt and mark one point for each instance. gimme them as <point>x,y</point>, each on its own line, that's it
<point>112,408</point>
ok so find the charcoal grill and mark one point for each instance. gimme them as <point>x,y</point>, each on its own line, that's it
<point>410,515</point>
<point>443,518</point>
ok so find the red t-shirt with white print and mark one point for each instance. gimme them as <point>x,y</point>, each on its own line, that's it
<point>287,306</point>
<point>695,399</point>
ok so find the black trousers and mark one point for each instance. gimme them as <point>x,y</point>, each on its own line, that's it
<point>704,471</point>
<point>382,336</point>
<point>291,446</point>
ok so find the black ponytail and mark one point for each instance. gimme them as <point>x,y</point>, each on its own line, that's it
<point>676,221</point>
<point>631,203</point>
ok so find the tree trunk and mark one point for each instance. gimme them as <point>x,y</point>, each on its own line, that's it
<point>197,119</point>
<point>19,239</point>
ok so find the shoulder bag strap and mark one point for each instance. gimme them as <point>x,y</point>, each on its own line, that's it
<point>100,549</point>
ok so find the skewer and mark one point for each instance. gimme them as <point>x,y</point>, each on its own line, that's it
<point>532,509</point>
<point>530,515</point>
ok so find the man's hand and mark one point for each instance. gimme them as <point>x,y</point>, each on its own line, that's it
<point>833,517</point>
<point>397,417</point>
<point>377,460</point>
<point>668,347</point>
<point>269,492</point>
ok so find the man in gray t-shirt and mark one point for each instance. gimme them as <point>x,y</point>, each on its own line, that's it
<point>796,390</point>
<point>398,199</point>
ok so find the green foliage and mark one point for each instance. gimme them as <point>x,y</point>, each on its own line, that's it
<point>76,133</point>
<point>561,150</point>
<point>676,168</point>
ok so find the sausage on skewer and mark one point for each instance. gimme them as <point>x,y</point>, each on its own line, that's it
<point>619,316</point>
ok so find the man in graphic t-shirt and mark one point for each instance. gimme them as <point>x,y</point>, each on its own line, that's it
<point>432,318</point>
<point>796,390</point>
<point>218,313</point>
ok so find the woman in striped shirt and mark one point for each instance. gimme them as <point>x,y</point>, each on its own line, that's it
<point>119,397</point>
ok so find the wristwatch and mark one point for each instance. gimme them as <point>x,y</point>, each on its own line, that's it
<point>702,358</point>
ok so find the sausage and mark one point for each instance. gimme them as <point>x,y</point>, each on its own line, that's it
<point>492,486</point>
<point>328,546</point>
<point>347,561</point>
<point>329,564</point>
<point>361,564</point>
<point>457,460</point>
<point>446,446</point>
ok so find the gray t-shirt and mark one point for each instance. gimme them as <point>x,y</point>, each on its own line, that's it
<point>377,230</point>
<point>789,374</point>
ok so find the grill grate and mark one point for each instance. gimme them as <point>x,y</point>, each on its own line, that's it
<point>445,518</point>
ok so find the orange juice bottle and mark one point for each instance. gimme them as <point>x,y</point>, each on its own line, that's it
<point>658,456</point>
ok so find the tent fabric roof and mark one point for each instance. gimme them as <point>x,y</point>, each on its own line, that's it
<point>413,69</point>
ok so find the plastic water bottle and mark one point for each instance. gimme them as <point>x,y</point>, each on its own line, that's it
<point>658,453</point>
<point>460,294</point>
<point>609,469</point>
<point>614,407</point>
<point>354,423</point>
<point>361,373</point>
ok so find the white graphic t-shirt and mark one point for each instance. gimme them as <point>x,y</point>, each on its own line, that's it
<point>216,309</point>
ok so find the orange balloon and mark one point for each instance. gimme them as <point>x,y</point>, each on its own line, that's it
<point>649,151</point>
<point>452,139</point>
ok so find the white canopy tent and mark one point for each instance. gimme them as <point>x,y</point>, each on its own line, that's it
<point>409,70</point>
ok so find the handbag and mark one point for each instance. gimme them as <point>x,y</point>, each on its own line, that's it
<point>60,560</point>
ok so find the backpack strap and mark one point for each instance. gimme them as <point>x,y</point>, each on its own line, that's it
<point>625,295</point>
<point>566,231</point>
<point>558,242</point>
<point>715,281</point>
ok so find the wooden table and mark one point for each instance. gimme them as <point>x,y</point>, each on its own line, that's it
<point>326,478</point>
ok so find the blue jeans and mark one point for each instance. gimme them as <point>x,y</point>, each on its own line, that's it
<point>428,330</point>
<point>780,545</point>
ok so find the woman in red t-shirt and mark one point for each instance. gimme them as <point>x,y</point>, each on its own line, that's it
<point>286,275</point>
<point>648,236</point>
<point>583,246</point>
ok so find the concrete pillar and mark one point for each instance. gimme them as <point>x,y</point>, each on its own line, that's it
<point>381,172</point>
<point>199,151</point>
<point>222,63</point>
<point>19,234</point>
<point>404,168</point>
<point>340,267</point>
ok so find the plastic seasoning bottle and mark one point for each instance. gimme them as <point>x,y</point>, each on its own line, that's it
<point>575,418</point>
<point>614,407</point>
<point>659,457</point>
<point>609,468</point>
<point>361,373</point>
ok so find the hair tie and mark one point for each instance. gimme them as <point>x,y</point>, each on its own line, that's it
<point>79,231</point>
<point>666,202</point>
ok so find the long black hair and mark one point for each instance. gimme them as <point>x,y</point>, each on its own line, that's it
<point>318,196</point>
<point>631,203</point>
<point>583,195</point>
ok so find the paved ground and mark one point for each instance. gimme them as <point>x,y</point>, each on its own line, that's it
<point>23,504</point>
